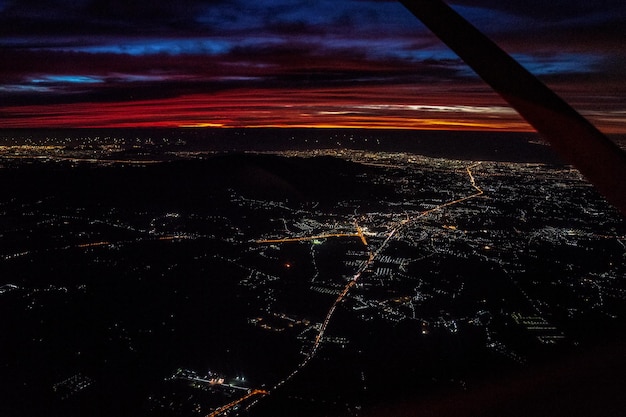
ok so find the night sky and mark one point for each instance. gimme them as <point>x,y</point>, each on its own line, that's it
<point>236,63</point>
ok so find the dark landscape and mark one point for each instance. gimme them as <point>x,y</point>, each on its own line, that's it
<point>268,272</point>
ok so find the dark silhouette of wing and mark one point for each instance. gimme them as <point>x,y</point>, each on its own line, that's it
<point>576,140</point>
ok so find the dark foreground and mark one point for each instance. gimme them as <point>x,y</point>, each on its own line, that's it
<point>309,281</point>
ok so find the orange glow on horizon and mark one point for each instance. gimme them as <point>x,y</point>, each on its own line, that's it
<point>373,107</point>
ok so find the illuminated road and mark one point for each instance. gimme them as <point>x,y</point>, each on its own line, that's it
<point>78,159</point>
<point>257,394</point>
<point>98,244</point>
<point>478,193</point>
<point>305,238</point>
<point>230,405</point>
<point>106,243</point>
<point>94,244</point>
<point>359,234</point>
<point>353,281</point>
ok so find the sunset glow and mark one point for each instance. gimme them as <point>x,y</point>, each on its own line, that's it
<point>358,64</point>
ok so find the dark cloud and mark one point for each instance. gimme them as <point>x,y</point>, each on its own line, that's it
<point>127,77</point>
<point>73,51</point>
<point>553,10</point>
<point>140,10</point>
<point>97,17</point>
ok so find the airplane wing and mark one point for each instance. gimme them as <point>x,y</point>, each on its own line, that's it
<point>572,136</point>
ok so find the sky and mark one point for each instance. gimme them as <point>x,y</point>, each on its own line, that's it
<point>322,63</point>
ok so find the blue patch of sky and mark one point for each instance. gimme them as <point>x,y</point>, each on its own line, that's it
<point>157,46</point>
<point>66,79</point>
<point>568,63</point>
<point>547,65</point>
<point>47,83</point>
<point>426,54</point>
<point>23,88</point>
